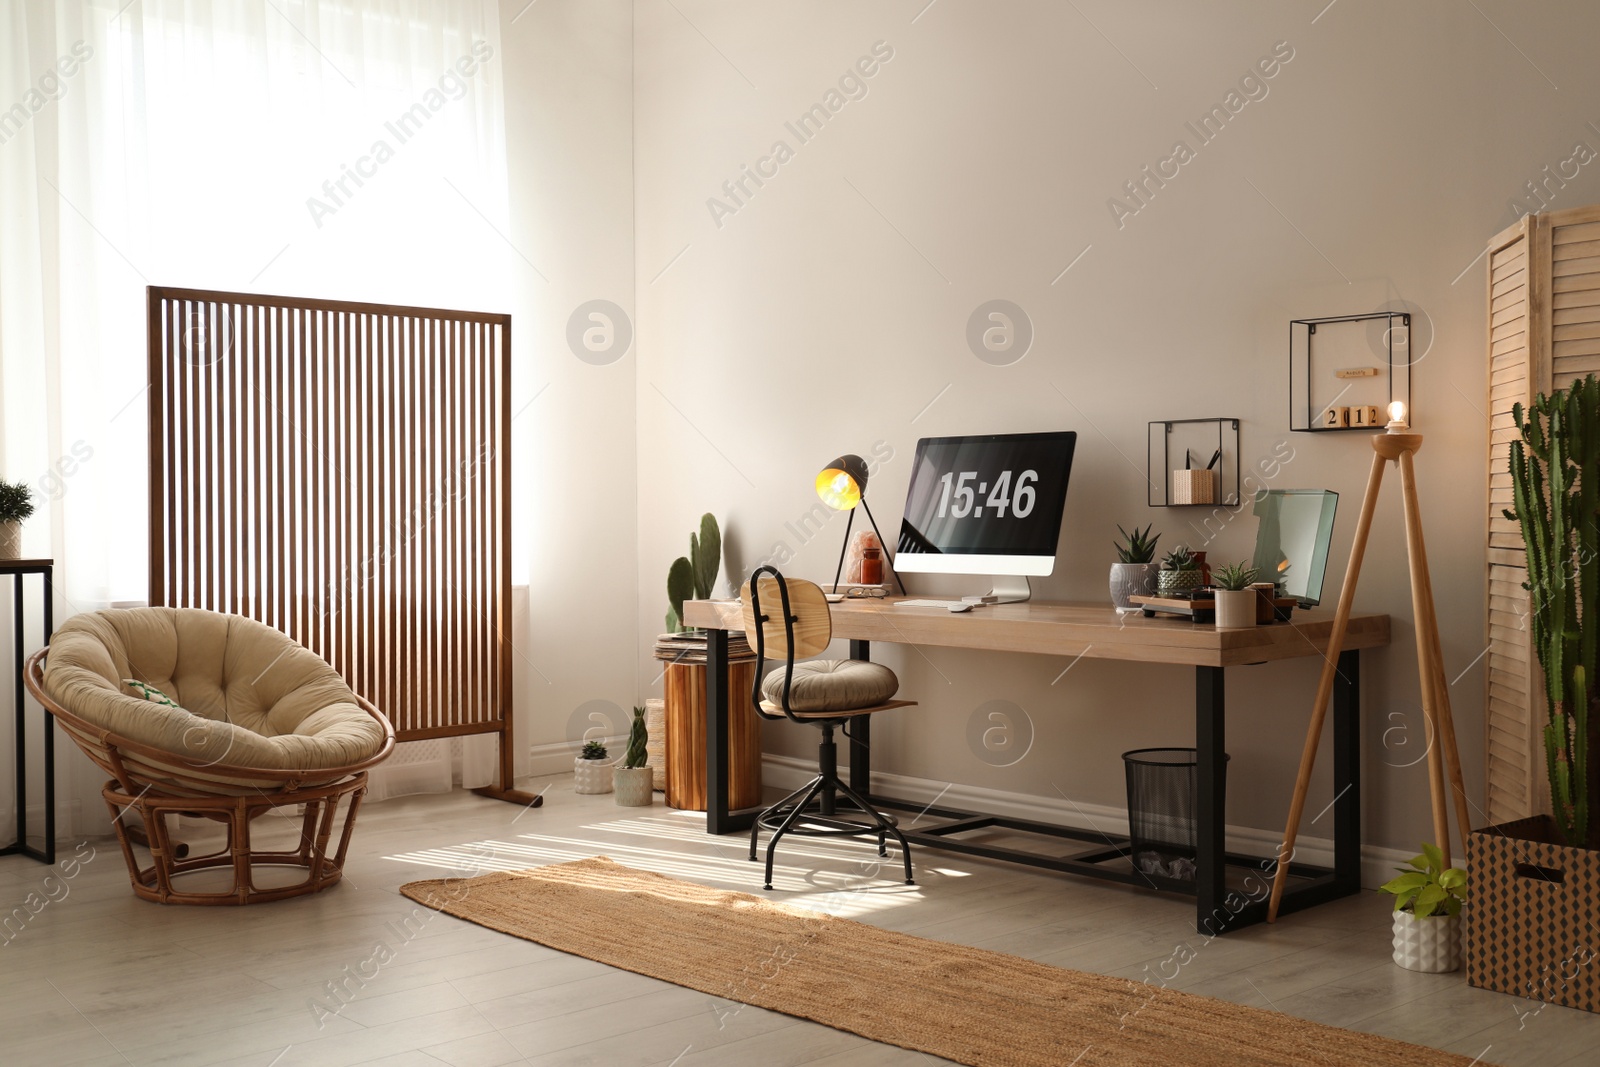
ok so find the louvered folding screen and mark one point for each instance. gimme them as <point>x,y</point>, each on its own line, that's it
<point>341,472</point>
<point>1544,333</point>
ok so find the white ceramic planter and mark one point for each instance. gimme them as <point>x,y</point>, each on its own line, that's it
<point>1132,579</point>
<point>10,540</point>
<point>1236,608</point>
<point>636,786</point>
<point>1431,944</point>
<point>591,775</point>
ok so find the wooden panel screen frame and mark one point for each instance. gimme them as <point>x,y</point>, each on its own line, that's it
<point>1544,334</point>
<point>341,471</point>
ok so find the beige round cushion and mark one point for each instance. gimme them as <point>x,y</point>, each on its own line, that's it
<point>250,695</point>
<point>832,685</point>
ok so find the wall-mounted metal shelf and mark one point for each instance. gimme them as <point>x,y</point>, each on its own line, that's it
<point>1165,445</point>
<point>1320,349</point>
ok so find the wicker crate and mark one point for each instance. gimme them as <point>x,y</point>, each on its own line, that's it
<point>1532,912</point>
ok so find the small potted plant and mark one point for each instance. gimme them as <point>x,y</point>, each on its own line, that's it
<point>1135,572</point>
<point>16,504</point>
<point>1427,913</point>
<point>1236,601</point>
<point>591,771</point>
<point>635,780</point>
<point>1180,573</point>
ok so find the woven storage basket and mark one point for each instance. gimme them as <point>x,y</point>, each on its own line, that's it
<point>1529,908</point>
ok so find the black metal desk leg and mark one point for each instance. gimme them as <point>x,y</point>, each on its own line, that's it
<point>1210,736</point>
<point>49,729</point>
<point>861,735</point>
<point>22,717</point>
<point>1347,772</point>
<point>717,821</point>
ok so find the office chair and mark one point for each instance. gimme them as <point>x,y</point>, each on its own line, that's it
<point>818,692</point>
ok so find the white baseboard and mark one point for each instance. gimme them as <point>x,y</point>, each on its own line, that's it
<point>788,772</point>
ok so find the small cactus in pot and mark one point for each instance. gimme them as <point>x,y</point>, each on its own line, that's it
<point>635,781</point>
<point>1180,572</point>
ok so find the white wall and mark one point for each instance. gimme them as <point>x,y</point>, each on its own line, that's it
<point>828,313</point>
<point>569,132</point>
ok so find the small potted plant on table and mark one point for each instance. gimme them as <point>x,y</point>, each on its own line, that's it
<point>635,780</point>
<point>16,504</point>
<point>1135,572</point>
<point>1236,601</point>
<point>1180,573</point>
<point>1427,913</point>
<point>591,772</point>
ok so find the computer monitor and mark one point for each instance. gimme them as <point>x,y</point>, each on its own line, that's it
<point>988,505</point>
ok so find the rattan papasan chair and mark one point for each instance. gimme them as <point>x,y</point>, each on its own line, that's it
<point>256,722</point>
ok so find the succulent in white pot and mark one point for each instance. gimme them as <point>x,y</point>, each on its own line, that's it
<point>1427,913</point>
<point>16,504</point>
<point>1236,601</point>
<point>1134,573</point>
<point>591,771</point>
<point>635,779</point>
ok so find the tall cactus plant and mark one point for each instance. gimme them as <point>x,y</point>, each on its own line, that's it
<point>1555,476</point>
<point>691,577</point>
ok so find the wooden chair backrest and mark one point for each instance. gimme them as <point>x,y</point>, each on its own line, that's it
<point>813,621</point>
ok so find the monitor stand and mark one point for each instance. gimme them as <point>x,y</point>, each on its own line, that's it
<point>1009,589</point>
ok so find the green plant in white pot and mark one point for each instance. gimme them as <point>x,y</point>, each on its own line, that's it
<point>1134,573</point>
<point>16,504</point>
<point>635,780</point>
<point>1236,601</point>
<point>591,771</point>
<point>1427,913</point>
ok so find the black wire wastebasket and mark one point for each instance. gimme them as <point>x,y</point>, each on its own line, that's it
<point>1163,795</point>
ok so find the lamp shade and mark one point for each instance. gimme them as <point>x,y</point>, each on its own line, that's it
<point>842,482</point>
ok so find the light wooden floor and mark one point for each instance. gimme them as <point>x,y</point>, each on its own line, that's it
<point>99,977</point>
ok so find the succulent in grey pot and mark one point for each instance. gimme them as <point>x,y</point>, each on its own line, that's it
<point>1135,572</point>
<point>1180,572</point>
<point>635,781</point>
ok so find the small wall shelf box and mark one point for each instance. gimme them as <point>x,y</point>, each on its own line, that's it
<point>1333,383</point>
<point>1171,483</point>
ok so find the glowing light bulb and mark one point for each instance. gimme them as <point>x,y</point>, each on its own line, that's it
<point>1397,417</point>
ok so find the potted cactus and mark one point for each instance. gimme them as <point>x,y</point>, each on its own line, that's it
<point>591,771</point>
<point>635,781</point>
<point>1134,573</point>
<point>691,577</point>
<point>1236,601</point>
<point>1427,913</point>
<point>1180,572</point>
<point>1536,881</point>
<point>16,504</point>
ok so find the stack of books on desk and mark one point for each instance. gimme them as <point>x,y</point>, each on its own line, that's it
<point>690,647</point>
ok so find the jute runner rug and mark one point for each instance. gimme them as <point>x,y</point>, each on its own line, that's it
<point>970,1005</point>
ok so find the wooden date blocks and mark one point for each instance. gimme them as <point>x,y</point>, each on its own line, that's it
<point>1361,416</point>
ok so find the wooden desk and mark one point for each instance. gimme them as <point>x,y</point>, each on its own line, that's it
<point>1095,631</point>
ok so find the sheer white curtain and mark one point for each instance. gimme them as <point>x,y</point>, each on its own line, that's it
<point>347,149</point>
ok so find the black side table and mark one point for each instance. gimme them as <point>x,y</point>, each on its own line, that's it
<point>18,569</point>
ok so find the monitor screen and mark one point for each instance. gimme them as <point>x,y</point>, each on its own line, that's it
<point>989,504</point>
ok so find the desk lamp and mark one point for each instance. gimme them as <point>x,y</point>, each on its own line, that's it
<point>1397,445</point>
<point>842,484</point>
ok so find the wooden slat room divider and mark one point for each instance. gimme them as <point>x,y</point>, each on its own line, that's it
<point>341,471</point>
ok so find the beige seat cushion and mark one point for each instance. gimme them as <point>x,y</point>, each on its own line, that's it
<point>832,685</point>
<point>250,696</point>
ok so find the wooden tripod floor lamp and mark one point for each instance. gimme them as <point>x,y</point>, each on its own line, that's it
<point>1397,445</point>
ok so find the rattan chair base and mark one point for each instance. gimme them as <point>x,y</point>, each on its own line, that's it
<point>168,861</point>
